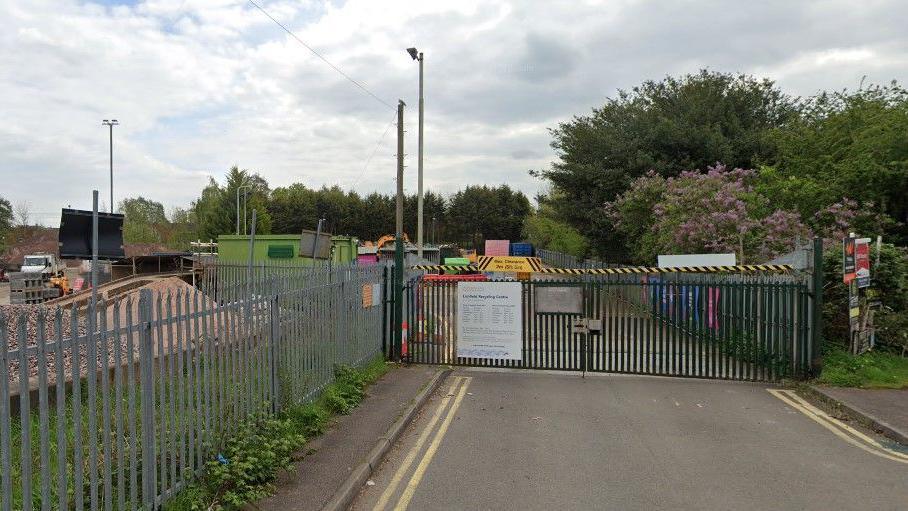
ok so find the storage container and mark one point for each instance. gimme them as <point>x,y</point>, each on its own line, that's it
<point>367,259</point>
<point>521,249</point>
<point>497,247</point>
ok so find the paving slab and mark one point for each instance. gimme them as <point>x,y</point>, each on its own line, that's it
<point>333,456</point>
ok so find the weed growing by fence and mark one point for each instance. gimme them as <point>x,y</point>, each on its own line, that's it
<point>870,370</point>
<point>251,459</point>
<point>745,347</point>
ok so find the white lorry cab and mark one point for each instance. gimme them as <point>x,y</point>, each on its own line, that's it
<point>46,264</point>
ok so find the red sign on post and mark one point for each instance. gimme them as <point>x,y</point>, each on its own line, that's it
<point>862,261</point>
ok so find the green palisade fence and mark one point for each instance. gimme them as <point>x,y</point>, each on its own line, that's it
<point>707,326</point>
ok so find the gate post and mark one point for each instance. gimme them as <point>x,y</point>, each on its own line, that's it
<point>585,338</point>
<point>398,304</point>
<point>146,381</point>
<point>384,312</point>
<point>816,291</point>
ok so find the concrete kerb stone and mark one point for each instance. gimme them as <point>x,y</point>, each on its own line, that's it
<point>348,491</point>
<point>854,413</point>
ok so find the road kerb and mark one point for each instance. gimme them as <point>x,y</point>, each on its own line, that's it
<point>351,487</point>
<point>866,419</point>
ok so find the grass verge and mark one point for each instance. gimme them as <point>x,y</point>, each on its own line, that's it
<point>873,369</point>
<point>246,468</point>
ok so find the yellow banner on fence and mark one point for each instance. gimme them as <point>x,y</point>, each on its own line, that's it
<point>509,263</point>
<point>367,296</point>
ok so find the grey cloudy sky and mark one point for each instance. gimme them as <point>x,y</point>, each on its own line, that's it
<point>201,85</point>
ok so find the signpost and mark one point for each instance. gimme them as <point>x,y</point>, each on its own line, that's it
<point>490,320</point>
<point>856,275</point>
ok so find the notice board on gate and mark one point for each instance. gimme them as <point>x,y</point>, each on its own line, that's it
<point>490,320</point>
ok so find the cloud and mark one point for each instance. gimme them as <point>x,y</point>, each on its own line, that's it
<point>200,86</point>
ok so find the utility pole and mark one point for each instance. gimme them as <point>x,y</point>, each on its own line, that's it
<point>419,199</point>
<point>111,123</point>
<point>238,209</point>
<point>399,238</point>
<point>419,195</point>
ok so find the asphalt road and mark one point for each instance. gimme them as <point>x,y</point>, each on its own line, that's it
<point>538,441</point>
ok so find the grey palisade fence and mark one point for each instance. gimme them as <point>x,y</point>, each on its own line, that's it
<point>119,407</point>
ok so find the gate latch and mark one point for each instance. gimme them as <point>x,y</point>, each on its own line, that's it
<point>587,325</point>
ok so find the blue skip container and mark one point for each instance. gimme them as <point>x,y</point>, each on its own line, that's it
<point>521,249</point>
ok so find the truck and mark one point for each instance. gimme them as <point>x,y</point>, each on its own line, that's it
<point>40,278</point>
<point>45,264</point>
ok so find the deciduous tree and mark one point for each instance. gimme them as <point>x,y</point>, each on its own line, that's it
<point>666,126</point>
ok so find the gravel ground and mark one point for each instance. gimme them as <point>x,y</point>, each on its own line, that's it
<point>11,316</point>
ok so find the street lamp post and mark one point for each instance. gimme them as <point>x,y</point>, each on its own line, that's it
<point>417,55</point>
<point>111,123</point>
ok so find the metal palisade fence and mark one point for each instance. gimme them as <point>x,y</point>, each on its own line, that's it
<point>119,407</point>
<point>562,260</point>
<point>738,327</point>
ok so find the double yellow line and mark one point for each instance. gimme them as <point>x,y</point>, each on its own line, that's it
<point>457,391</point>
<point>839,428</point>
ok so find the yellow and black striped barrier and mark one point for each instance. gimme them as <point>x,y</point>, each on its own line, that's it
<point>740,268</point>
<point>443,267</point>
<point>678,269</point>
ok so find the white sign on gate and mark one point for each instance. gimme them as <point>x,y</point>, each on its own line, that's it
<point>676,260</point>
<point>490,320</point>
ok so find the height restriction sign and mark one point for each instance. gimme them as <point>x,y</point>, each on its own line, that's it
<point>509,263</point>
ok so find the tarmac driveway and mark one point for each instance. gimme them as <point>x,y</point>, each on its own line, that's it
<point>536,440</point>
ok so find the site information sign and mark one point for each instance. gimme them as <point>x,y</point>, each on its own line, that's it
<point>490,320</point>
<point>848,260</point>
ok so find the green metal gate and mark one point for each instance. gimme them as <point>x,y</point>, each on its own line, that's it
<point>709,326</point>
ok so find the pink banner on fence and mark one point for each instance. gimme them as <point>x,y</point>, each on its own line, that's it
<point>712,308</point>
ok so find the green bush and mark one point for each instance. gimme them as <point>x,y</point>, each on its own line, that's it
<point>246,467</point>
<point>543,230</point>
<point>250,461</point>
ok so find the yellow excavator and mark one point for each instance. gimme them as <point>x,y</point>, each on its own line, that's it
<point>387,238</point>
<point>62,283</point>
<point>371,250</point>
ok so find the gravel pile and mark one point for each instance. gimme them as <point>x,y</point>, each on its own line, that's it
<point>11,316</point>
